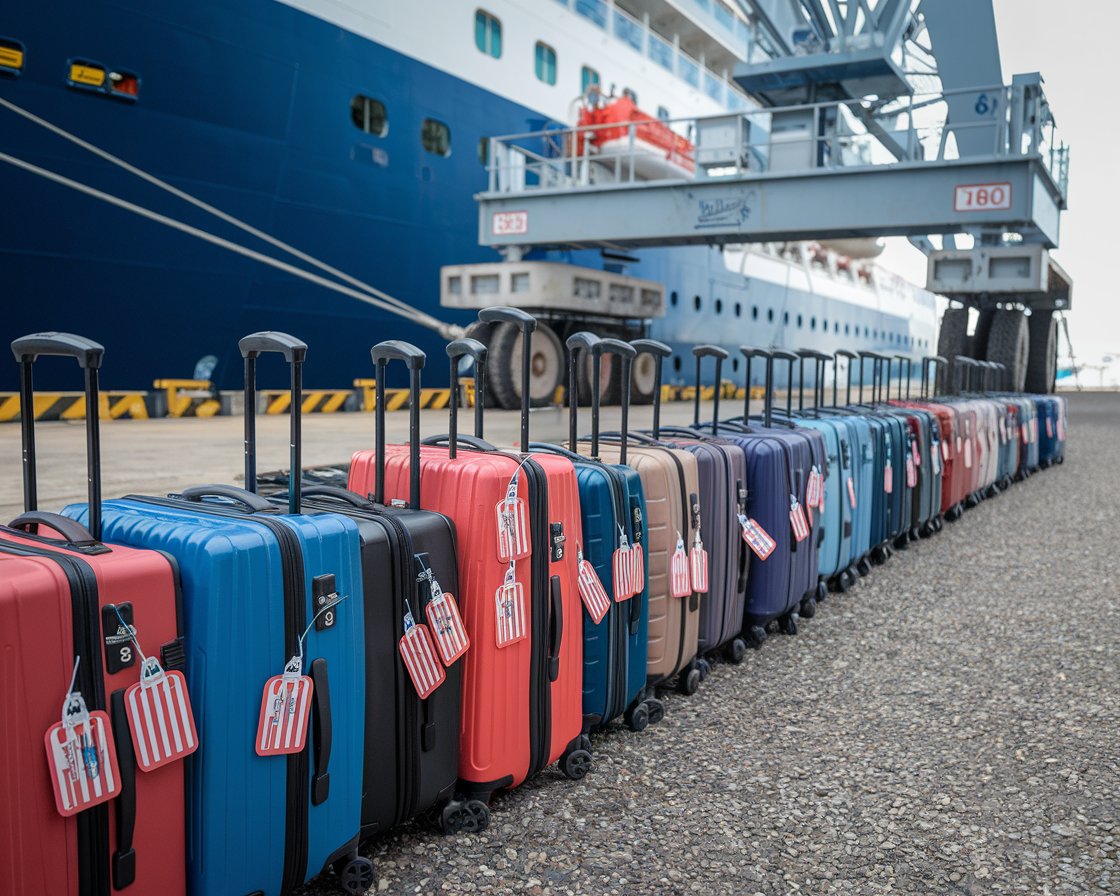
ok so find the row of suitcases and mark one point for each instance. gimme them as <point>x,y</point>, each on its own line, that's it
<point>266,680</point>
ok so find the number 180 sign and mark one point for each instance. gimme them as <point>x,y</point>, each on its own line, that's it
<point>982,197</point>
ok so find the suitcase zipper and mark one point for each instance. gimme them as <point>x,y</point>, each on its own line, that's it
<point>295,620</point>
<point>616,696</point>
<point>540,696</point>
<point>93,824</point>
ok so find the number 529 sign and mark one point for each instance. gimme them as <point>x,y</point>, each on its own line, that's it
<point>981,197</point>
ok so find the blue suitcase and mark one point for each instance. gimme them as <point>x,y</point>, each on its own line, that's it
<point>611,498</point>
<point>252,579</point>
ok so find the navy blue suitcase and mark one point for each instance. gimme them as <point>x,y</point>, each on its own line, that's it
<point>254,579</point>
<point>611,499</point>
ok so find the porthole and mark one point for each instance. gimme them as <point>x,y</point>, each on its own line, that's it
<point>799,321</point>
<point>785,318</point>
<point>738,309</point>
<point>696,302</point>
<point>735,364</point>
<point>754,312</point>
<point>673,297</point>
<point>369,115</point>
<point>435,137</point>
<point>677,363</point>
<point>719,306</point>
<point>770,314</point>
<point>813,323</point>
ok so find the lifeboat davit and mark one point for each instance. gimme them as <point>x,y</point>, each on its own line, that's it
<point>657,151</point>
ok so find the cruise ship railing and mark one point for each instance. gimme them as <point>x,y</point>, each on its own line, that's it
<point>1001,121</point>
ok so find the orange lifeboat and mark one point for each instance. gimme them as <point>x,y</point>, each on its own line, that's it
<point>656,152</point>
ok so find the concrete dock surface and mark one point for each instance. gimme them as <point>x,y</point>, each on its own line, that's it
<point>950,726</point>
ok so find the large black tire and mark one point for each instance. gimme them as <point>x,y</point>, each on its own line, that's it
<point>482,332</point>
<point>610,376</point>
<point>979,346</point>
<point>643,372</point>
<point>1042,365</point>
<point>1009,344</point>
<point>952,340</point>
<point>503,366</point>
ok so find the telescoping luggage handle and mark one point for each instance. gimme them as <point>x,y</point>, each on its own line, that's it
<point>413,358</point>
<point>295,353</point>
<point>584,341</point>
<point>931,362</point>
<point>850,356</point>
<point>457,350</point>
<point>527,324</point>
<point>89,355</point>
<point>768,395</point>
<point>819,360</point>
<point>720,354</point>
<point>904,359</point>
<point>660,351</point>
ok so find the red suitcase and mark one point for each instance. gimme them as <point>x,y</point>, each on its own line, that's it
<point>522,702</point>
<point>58,588</point>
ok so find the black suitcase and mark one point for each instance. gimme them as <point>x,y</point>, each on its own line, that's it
<point>411,744</point>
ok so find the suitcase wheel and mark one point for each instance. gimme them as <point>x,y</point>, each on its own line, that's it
<point>656,710</point>
<point>737,651</point>
<point>808,608</point>
<point>903,541</point>
<point>704,666</point>
<point>576,763</point>
<point>864,566</point>
<point>688,681</point>
<point>787,623</point>
<point>464,817</point>
<point>637,717</point>
<point>356,875</point>
<point>822,591</point>
<point>756,634</point>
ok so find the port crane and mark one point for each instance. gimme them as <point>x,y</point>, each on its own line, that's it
<point>874,118</point>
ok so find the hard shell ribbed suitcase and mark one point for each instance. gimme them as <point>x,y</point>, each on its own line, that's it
<point>61,588</point>
<point>522,682</point>
<point>670,482</point>
<point>254,580</point>
<point>612,517</point>
<point>408,558</point>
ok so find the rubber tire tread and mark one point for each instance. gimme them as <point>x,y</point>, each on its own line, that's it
<point>1009,343</point>
<point>952,339</point>
<point>1042,361</point>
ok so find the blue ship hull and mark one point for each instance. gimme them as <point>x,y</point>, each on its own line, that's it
<point>246,105</point>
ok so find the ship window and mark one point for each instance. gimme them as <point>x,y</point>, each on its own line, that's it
<point>799,321</point>
<point>369,115</point>
<point>488,33</point>
<point>836,327</point>
<point>588,77</point>
<point>770,315</point>
<point>813,323</point>
<point>11,56</point>
<point>677,363</point>
<point>630,95</point>
<point>663,113</point>
<point>754,312</point>
<point>785,318</point>
<point>696,302</point>
<point>544,62</point>
<point>738,309</point>
<point>435,137</point>
<point>847,329</point>
<point>673,298</point>
<point>735,364</point>
<point>484,150</point>
<point>719,306</point>
<point>865,332</point>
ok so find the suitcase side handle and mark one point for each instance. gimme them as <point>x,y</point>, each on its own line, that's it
<point>322,732</point>
<point>334,493</point>
<point>578,342</point>
<point>626,354</point>
<point>381,354</point>
<point>527,324</point>
<point>555,628</point>
<point>660,351</point>
<point>456,350</point>
<point>89,355</point>
<point>720,355</point>
<point>294,352</point>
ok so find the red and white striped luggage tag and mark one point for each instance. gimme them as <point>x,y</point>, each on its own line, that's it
<point>911,471</point>
<point>757,538</point>
<point>888,479</point>
<point>968,453</point>
<point>851,493</point>
<point>698,565</point>
<point>814,490</point>
<point>1034,430</point>
<point>286,705</point>
<point>160,717</point>
<point>797,519</point>
<point>637,555</point>
<point>1002,430</point>
<point>622,569</point>
<point>512,515</point>
<point>945,449</point>
<point>420,657</point>
<point>595,598</point>
<point>81,755</point>
<point>680,582</point>
<point>1049,428</point>
<point>915,451</point>
<point>1061,429</point>
<point>935,456</point>
<point>509,601</point>
<point>1024,431</point>
<point>444,620</point>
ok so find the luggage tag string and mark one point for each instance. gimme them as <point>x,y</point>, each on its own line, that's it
<point>294,668</point>
<point>74,713</point>
<point>147,672</point>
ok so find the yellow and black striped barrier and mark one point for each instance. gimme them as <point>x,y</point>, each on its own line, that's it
<point>397,399</point>
<point>72,406</point>
<point>315,401</point>
<point>727,390</point>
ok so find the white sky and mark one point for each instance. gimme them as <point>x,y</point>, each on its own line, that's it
<point>1074,45</point>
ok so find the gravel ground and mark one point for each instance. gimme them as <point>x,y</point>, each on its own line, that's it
<point>949,727</point>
